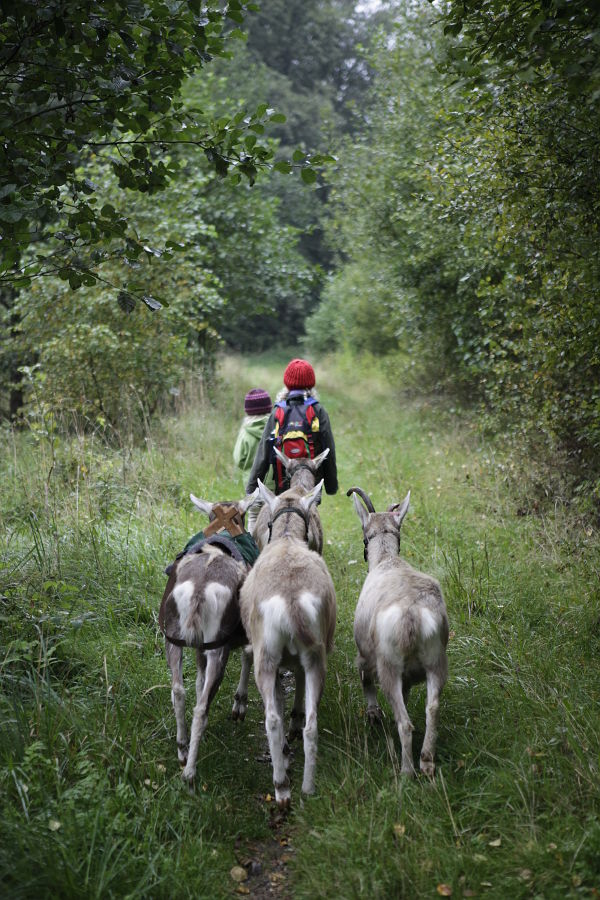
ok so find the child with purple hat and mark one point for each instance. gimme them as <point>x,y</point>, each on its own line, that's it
<point>257,407</point>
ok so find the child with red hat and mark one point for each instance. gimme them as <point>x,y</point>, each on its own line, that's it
<point>299,391</point>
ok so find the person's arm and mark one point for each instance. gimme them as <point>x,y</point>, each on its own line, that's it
<point>242,451</point>
<point>329,467</point>
<point>262,460</point>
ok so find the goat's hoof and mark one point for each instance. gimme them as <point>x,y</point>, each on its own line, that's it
<point>308,790</point>
<point>240,706</point>
<point>374,716</point>
<point>182,753</point>
<point>188,776</point>
<point>283,794</point>
<point>428,766</point>
<point>284,803</point>
<point>408,772</point>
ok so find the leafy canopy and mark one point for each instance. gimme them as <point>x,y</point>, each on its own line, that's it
<point>82,81</point>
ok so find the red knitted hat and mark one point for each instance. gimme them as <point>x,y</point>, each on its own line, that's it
<point>299,375</point>
<point>257,402</point>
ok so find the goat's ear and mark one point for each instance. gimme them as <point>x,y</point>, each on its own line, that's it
<point>203,505</point>
<point>361,512</point>
<point>313,496</point>
<point>399,510</point>
<point>266,495</point>
<point>321,458</point>
<point>247,502</point>
<point>284,460</point>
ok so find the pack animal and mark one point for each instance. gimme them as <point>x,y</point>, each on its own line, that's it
<point>200,609</point>
<point>288,610</point>
<point>400,629</point>
<point>302,474</point>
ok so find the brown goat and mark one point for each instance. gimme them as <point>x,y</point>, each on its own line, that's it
<point>200,609</point>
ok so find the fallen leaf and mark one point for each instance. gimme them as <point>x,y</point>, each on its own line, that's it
<point>486,884</point>
<point>161,768</point>
<point>479,857</point>
<point>576,880</point>
<point>53,824</point>
<point>469,893</point>
<point>242,889</point>
<point>238,873</point>
<point>525,874</point>
<point>147,782</point>
<point>444,890</point>
<point>495,843</point>
<point>399,830</point>
<point>268,798</point>
<point>551,846</point>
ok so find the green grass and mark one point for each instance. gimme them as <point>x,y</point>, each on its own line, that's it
<point>90,790</point>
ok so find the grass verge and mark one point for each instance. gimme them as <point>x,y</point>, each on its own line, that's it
<point>92,801</point>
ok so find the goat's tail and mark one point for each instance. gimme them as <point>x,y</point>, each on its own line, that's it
<point>404,630</point>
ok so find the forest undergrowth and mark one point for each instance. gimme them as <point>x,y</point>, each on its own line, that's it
<point>92,803</point>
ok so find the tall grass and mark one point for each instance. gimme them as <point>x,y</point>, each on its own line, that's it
<point>91,795</point>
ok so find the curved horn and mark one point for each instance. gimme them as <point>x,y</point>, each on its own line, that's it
<point>363,496</point>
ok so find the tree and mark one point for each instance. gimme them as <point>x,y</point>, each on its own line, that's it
<point>82,80</point>
<point>470,206</point>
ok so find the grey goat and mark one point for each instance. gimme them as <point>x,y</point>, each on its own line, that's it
<point>288,610</point>
<point>400,629</point>
<point>303,476</point>
<point>200,608</point>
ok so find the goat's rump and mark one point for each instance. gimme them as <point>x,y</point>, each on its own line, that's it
<point>200,603</point>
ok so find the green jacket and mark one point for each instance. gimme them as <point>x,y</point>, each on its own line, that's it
<point>262,460</point>
<point>247,442</point>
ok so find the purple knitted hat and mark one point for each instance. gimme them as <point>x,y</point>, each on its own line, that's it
<point>257,402</point>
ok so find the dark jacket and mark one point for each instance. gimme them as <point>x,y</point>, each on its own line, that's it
<point>262,460</point>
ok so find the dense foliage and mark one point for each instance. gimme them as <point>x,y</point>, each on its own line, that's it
<point>470,206</point>
<point>88,81</point>
<point>105,191</point>
<point>307,59</point>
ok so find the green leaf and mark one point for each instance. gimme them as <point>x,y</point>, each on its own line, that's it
<point>308,175</point>
<point>7,189</point>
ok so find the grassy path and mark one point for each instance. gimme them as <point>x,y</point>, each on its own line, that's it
<point>91,799</point>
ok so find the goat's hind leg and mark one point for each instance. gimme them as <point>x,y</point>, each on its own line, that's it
<point>315,681</point>
<point>211,668</point>
<point>266,678</point>
<point>174,656</point>
<point>240,700</point>
<point>369,687</point>
<point>297,715</point>
<point>435,683</point>
<point>390,678</point>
